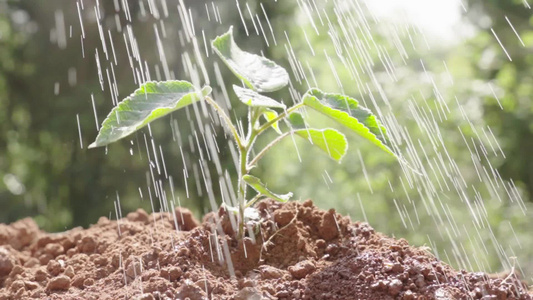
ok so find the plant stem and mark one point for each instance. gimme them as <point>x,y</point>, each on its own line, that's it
<point>270,145</point>
<point>242,190</point>
<point>227,120</point>
<point>254,199</point>
<point>253,115</point>
<point>279,117</point>
<point>279,138</point>
<point>245,147</point>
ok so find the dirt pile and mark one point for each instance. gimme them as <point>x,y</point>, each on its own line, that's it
<point>298,252</point>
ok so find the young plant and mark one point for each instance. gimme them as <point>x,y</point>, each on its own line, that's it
<point>157,99</point>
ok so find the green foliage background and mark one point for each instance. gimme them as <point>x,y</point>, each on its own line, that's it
<point>45,84</point>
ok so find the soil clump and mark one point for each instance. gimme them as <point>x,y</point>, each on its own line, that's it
<point>296,252</point>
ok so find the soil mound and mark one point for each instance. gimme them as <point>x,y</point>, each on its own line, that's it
<point>297,252</point>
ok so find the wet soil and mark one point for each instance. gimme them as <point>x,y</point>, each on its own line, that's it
<point>297,252</point>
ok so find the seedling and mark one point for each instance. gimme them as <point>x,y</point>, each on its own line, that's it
<point>154,100</point>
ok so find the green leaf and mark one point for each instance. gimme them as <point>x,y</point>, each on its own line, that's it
<point>269,115</point>
<point>151,101</point>
<point>329,140</point>
<point>348,112</point>
<point>257,185</point>
<point>257,72</point>
<point>254,99</point>
<point>297,120</point>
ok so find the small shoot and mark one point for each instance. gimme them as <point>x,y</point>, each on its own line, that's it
<point>269,115</point>
<point>154,100</point>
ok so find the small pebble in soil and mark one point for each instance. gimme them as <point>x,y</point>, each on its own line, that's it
<point>332,249</point>
<point>408,295</point>
<point>54,249</point>
<point>269,272</point>
<point>133,269</point>
<point>19,234</point>
<point>45,258</point>
<point>71,252</point>
<point>61,282</point>
<point>138,216</point>
<point>328,226</point>
<point>145,296</point>
<point>191,291</point>
<point>17,285</point>
<point>205,285</point>
<point>30,285</point>
<point>185,219</point>
<point>395,287</point>
<point>171,273</point>
<point>86,245</point>
<point>249,293</point>
<point>6,262</point>
<point>302,269</point>
<point>54,268</point>
<point>69,271</point>
<point>32,262</point>
<point>282,294</point>
<point>283,217</point>
<point>88,282</point>
<point>78,280</point>
<point>40,275</point>
<point>443,294</point>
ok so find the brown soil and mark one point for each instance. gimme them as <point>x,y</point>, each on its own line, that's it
<point>301,252</point>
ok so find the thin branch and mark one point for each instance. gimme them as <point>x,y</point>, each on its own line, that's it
<point>279,117</point>
<point>227,120</point>
<point>253,115</point>
<point>254,199</point>
<point>272,144</point>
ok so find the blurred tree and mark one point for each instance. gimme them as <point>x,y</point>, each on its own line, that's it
<point>12,70</point>
<point>509,110</point>
<point>49,76</point>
